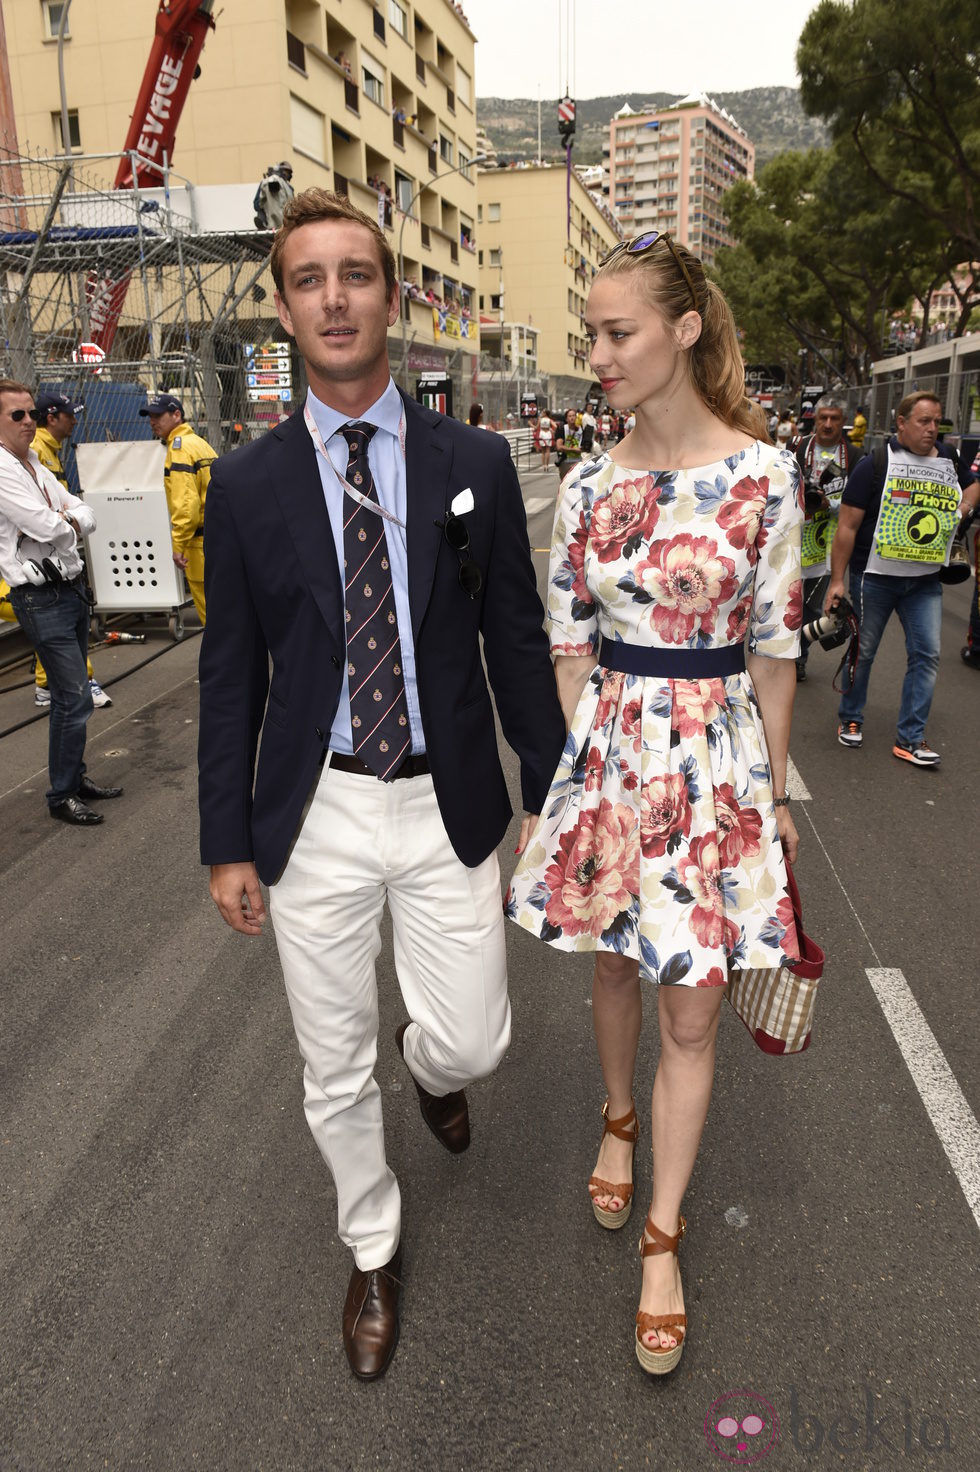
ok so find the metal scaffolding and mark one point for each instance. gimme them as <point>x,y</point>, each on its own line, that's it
<point>183,302</point>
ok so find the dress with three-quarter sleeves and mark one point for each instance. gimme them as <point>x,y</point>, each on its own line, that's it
<point>659,839</point>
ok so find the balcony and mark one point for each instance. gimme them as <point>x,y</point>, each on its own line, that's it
<point>398,133</point>
<point>351,95</point>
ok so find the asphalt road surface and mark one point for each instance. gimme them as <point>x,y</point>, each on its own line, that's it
<point>172,1283</point>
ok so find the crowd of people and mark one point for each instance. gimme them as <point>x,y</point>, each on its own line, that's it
<point>411,288</point>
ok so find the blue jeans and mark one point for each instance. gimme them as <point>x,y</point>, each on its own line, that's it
<point>919,605</point>
<point>55,622</point>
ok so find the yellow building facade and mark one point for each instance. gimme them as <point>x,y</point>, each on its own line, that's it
<point>322,84</point>
<point>537,270</point>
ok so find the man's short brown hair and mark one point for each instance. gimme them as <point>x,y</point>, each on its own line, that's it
<point>323,204</point>
<point>11,386</point>
<point>923,395</point>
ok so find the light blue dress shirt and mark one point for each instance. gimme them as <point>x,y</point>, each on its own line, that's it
<point>388,469</point>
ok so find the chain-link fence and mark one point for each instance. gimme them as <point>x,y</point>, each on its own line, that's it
<point>111,295</point>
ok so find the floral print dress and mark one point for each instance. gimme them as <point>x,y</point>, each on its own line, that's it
<point>659,839</point>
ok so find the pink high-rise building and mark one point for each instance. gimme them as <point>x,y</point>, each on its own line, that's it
<point>669,169</point>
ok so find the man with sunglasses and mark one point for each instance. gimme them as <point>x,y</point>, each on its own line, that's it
<point>375,554</point>
<point>41,527</point>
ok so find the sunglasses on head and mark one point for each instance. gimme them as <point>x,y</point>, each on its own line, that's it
<point>639,246</point>
<point>18,414</point>
<point>470,577</point>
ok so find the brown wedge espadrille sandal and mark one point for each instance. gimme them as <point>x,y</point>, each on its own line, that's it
<point>627,1128</point>
<point>660,1361</point>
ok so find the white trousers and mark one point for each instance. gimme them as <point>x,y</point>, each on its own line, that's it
<point>364,841</point>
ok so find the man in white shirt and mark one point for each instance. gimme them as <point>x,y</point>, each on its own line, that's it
<point>41,527</point>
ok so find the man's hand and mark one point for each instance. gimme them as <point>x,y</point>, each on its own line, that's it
<point>527,828</point>
<point>834,592</point>
<point>235,890</point>
<point>180,559</point>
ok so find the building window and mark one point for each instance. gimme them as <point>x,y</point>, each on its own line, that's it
<point>479,214</point>
<point>445,149</point>
<point>373,81</point>
<point>493,211</point>
<point>398,18</point>
<point>403,192</point>
<point>74,137</point>
<point>52,19</point>
<point>495,303</point>
<point>479,258</point>
<point>464,86</point>
<point>495,257</point>
<point>464,164</point>
<point>307,128</point>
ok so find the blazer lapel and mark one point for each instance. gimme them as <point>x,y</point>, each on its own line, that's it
<point>299,491</point>
<point>428,464</point>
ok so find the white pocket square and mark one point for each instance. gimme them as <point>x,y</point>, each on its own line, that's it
<point>462,503</point>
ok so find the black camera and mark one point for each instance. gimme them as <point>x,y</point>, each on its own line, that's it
<point>832,629</point>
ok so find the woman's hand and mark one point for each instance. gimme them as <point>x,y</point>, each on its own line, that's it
<point>788,836</point>
<point>527,828</point>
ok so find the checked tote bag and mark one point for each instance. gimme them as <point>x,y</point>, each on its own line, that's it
<point>776,1004</point>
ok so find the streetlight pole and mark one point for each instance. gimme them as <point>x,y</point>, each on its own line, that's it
<point>460,168</point>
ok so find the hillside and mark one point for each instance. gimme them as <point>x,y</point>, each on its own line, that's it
<point>771,116</point>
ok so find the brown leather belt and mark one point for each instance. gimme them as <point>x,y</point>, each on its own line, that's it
<point>412,766</point>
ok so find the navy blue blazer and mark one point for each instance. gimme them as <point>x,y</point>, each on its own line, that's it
<point>275,598</point>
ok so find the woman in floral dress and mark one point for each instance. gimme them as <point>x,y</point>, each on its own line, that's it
<point>661,848</point>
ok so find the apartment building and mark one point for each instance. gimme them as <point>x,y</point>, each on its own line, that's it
<point>670,168</point>
<point>374,98</point>
<point>535,270</point>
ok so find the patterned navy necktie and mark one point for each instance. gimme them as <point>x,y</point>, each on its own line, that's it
<point>378,708</point>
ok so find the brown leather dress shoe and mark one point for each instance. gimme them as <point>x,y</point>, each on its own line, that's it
<point>447,1115</point>
<point>371,1318</point>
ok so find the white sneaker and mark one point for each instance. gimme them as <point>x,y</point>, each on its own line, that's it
<point>42,696</point>
<point>99,696</point>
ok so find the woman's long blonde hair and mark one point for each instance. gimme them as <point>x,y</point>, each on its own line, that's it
<point>714,362</point>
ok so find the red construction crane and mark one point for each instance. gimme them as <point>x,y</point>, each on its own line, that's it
<point>181,29</point>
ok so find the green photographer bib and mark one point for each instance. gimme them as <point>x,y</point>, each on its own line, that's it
<point>918,516</point>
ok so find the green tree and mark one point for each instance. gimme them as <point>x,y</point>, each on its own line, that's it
<point>824,258</point>
<point>900,79</point>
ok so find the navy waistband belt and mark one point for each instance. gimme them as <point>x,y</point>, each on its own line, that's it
<point>672,664</point>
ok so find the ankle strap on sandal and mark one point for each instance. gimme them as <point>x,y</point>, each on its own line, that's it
<point>618,1127</point>
<point>661,1242</point>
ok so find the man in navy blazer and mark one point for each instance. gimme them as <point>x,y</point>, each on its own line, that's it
<point>319,818</point>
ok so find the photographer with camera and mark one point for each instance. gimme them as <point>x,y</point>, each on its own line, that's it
<point>41,527</point>
<point>899,515</point>
<point>826,458</point>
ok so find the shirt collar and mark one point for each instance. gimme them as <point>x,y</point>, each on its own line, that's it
<point>384,413</point>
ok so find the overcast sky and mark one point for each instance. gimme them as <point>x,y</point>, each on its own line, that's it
<point>635,46</point>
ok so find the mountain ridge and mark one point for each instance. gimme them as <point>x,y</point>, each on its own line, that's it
<point>772,117</point>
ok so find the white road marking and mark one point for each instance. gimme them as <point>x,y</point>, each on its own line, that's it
<point>538,503</point>
<point>795,786</point>
<point>944,1100</point>
<point>951,1116</point>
